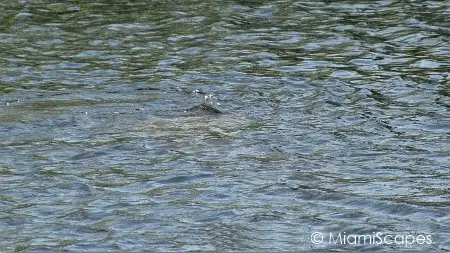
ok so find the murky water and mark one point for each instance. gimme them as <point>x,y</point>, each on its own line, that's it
<point>328,117</point>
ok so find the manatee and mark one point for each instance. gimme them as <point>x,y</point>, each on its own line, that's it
<point>204,125</point>
<point>204,120</point>
<point>203,107</point>
<point>207,105</point>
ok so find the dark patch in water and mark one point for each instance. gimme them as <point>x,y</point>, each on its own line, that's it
<point>88,154</point>
<point>204,108</point>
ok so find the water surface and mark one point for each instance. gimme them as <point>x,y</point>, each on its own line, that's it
<point>334,118</point>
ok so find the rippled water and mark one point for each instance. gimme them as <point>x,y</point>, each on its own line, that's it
<point>328,117</point>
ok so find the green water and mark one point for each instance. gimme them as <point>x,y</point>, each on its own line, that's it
<point>334,117</point>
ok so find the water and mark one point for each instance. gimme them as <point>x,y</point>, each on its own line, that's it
<point>319,117</point>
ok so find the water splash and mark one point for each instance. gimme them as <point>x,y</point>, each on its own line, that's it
<point>210,99</point>
<point>208,103</point>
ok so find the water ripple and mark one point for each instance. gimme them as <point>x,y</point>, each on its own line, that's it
<point>334,118</point>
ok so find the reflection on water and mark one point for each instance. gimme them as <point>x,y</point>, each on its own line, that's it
<point>219,126</point>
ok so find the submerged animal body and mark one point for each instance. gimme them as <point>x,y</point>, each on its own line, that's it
<point>207,105</point>
<point>203,120</point>
<point>197,123</point>
<point>205,108</point>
